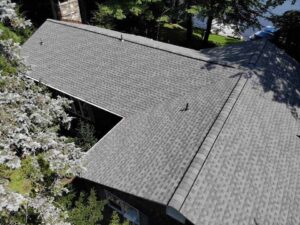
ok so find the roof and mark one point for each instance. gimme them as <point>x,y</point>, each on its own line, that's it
<point>93,64</point>
<point>212,134</point>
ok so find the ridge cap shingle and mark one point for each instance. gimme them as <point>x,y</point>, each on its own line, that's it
<point>192,171</point>
<point>147,42</point>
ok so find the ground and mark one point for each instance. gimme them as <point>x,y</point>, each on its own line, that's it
<point>175,34</point>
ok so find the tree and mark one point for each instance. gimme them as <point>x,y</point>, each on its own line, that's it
<point>242,14</point>
<point>289,32</point>
<point>142,17</point>
<point>30,145</point>
<point>84,210</point>
<point>85,135</point>
<point>115,220</point>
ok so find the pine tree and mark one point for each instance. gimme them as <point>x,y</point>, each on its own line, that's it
<point>115,220</point>
<point>87,210</point>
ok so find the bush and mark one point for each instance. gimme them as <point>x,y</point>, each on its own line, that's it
<point>86,209</point>
<point>85,135</point>
<point>9,34</point>
<point>115,220</point>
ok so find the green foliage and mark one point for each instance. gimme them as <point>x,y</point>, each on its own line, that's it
<point>6,66</point>
<point>27,31</point>
<point>121,9</point>
<point>176,34</point>
<point>8,33</point>
<point>115,220</point>
<point>48,175</point>
<point>20,178</point>
<point>222,40</point>
<point>84,209</point>
<point>17,35</point>
<point>9,67</point>
<point>164,19</point>
<point>194,10</point>
<point>103,18</point>
<point>242,14</point>
<point>289,33</point>
<point>25,216</point>
<point>85,135</point>
<point>147,17</point>
<point>216,39</point>
<point>129,14</point>
<point>36,163</point>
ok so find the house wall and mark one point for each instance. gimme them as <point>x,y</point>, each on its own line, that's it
<point>154,212</point>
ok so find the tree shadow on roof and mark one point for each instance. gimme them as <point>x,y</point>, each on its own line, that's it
<point>235,55</point>
<point>280,74</point>
<point>276,71</point>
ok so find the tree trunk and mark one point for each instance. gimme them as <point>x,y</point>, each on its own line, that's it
<point>83,11</point>
<point>174,3</point>
<point>54,9</point>
<point>158,31</point>
<point>208,29</point>
<point>189,29</point>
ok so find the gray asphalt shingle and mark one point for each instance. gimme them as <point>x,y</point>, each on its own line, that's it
<point>252,172</point>
<point>231,158</point>
<point>147,154</point>
<point>122,77</point>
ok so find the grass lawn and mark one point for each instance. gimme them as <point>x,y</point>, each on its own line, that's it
<point>17,36</point>
<point>18,180</point>
<point>9,34</point>
<point>221,40</point>
<point>19,183</point>
<point>176,34</point>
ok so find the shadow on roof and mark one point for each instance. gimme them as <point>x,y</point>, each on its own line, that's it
<point>277,72</point>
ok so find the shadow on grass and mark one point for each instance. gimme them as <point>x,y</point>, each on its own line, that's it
<point>175,34</point>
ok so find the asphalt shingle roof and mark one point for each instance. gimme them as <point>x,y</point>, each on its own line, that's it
<point>122,77</point>
<point>253,169</point>
<point>247,169</point>
<point>231,158</point>
<point>156,146</point>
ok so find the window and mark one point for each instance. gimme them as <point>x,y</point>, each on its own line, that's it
<point>127,211</point>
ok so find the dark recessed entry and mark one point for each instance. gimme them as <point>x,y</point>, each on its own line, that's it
<point>102,120</point>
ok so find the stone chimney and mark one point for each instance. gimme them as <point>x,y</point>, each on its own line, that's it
<point>66,10</point>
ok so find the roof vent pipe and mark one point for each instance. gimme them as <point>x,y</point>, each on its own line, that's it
<point>122,39</point>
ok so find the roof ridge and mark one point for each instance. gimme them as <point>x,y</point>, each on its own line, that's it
<point>194,168</point>
<point>140,40</point>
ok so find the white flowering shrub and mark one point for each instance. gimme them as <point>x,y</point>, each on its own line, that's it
<point>9,200</point>
<point>9,15</point>
<point>47,211</point>
<point>30,119</point>
<point>10,50</point>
